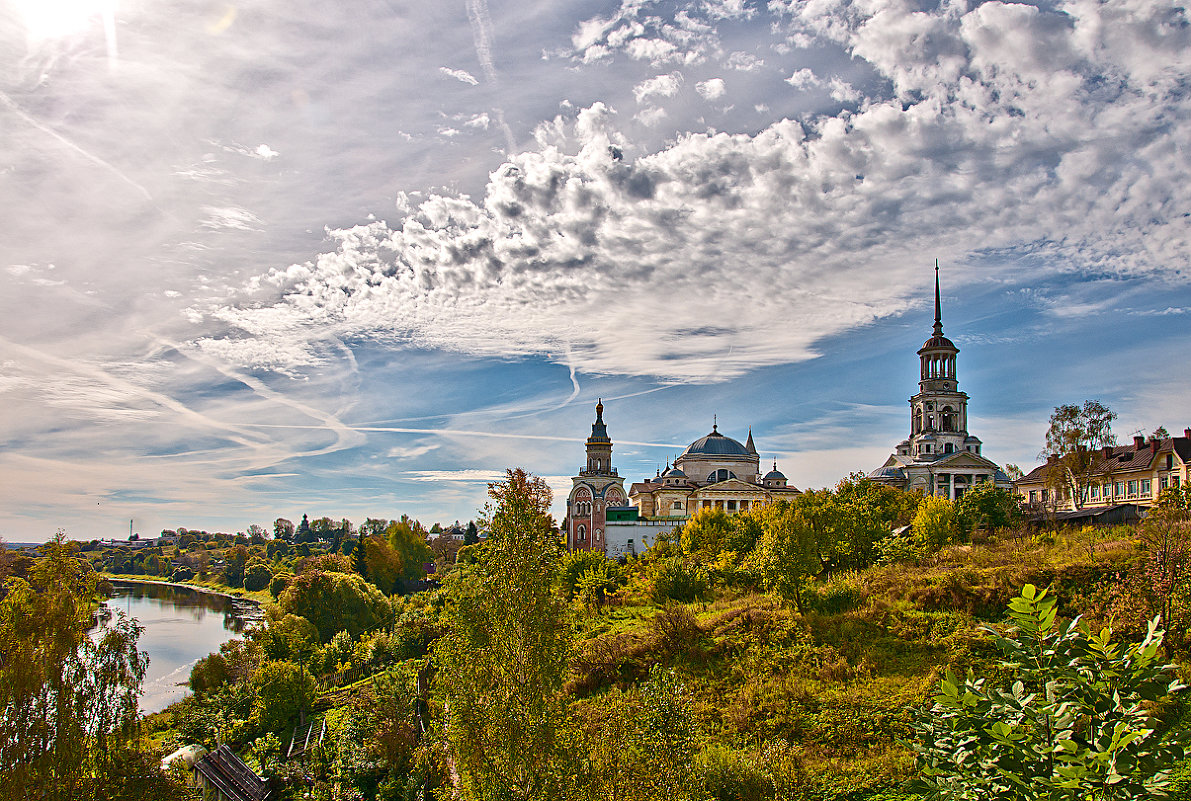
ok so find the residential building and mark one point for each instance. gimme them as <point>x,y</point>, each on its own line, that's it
<point>1135,473</point>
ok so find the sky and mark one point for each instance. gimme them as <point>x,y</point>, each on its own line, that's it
<point>264,259</point>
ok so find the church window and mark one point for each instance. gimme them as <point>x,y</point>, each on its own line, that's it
<point>720,475</point>
<point>948,448</point>
<point>582,534</point>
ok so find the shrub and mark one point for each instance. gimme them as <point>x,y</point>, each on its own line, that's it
<point>573,565</point>
<point>279,582</point>
<point>1076,722</point>
<point>674,581</point>
<point>257,576</point>
<point>336,602</point>
<point>934,523</point>
<point>727,775</point>
<point>282,690</point>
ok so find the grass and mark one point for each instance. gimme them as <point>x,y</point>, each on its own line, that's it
<point>827,691</point>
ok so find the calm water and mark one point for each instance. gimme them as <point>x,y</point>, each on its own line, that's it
<point>181,627</point>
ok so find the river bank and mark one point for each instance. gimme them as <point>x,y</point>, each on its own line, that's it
<point>246,598</point>
<point>181,624</point>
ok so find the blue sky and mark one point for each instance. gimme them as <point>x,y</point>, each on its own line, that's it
<point>263,259</point>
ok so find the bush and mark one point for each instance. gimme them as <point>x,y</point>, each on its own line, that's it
<point>336,602</point>
<point>282,690</point>
<point>279,582</point>
<point>935,523</point>
<point>727,775</point>
<point>1077,721</point>
<point>674,581</point>
<point>257,576</point>
<point>574,564</point>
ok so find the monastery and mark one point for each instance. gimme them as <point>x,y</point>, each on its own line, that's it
<point>940,457</point>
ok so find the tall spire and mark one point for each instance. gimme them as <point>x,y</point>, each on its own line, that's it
<point>938,307</point>
<point>749,446</point>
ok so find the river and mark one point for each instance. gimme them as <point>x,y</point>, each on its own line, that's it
<point>181,626</point>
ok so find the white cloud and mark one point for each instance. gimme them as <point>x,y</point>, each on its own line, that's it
<point>711,89</point>
<point>230,218</point>
<point>719,253</point>
<point>803,79</point>
<point>658,86</point>
<point>459,75</point>
<point>744,62</point>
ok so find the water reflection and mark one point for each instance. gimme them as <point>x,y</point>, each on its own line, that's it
<point>181,626</point>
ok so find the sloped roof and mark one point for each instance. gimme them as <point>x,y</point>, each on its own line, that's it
<point>227,773</point>
<point>1122,458</point>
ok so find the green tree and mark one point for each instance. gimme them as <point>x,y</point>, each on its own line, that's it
<point>1075,724</point>
<point>787,555</point>
<point>384,565</point>
<point>503,662</point>
<point>68,701</point>
<point>336,602</point>
<point>709,532</point>
<point>1073,444</point>
<point>408,539</point>
<point>934,523</point>
<point>237,558</point>
<point>283,689</point>
<point>257,576</point>
<point>986,506</point>
<point>472,535</point>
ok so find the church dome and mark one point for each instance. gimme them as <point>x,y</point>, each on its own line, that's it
<point>937,343</point>
<point>775,474</point>
<point>716,444</point>
<point>889,472</point>
<point>673,472</point>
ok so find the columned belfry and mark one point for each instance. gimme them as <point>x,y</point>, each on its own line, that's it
<point>940,457</point>
<point>939,412</point>
<point>595,489</point>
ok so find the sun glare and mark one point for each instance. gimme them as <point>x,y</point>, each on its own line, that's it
<point>55,19</point>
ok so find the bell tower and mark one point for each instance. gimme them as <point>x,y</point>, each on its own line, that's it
<point>939,412</point>
<point>599,445</point>
<point>595,489</point>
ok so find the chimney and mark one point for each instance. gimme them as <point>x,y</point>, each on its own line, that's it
<point>1139,442</point>
<point>1154,443</point>
<point>1106,451</point>
<point>1187,433</point>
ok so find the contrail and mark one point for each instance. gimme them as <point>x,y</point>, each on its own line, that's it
<point>457,432</point>
<point>481,34</point>
<point>8,101</point>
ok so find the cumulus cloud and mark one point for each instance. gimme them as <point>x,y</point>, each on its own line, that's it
<point>719,253</point>
<point>658,86</point>
<point>711,89</point>
<point>459,75</point>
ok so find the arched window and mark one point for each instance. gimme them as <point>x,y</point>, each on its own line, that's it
<point>948,448</point>
<point>947,419</point>
<point>720,475</point>
<point>581,533</point>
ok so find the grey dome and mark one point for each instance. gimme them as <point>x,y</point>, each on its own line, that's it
<point>775,473</point>
<point>887,472</point>
<point>971,438</point>
<point>673,472</point>
<point>716,444</point>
